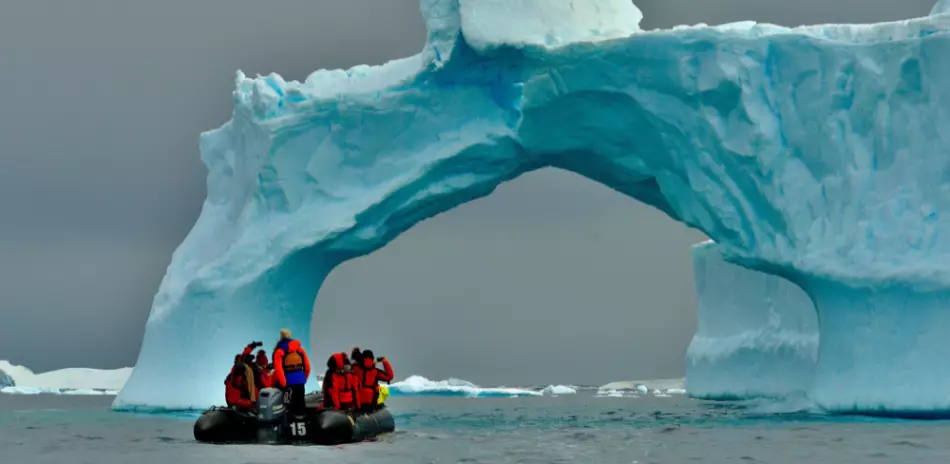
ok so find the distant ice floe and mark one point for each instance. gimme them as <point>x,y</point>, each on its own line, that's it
<point>58,391</point>
<point>96,382</point>
<point>661,388</point>
<point>610,393</point>
<point>555,390</point>
<point>73,381</point>
<point>417,385</point>
<point>78,381</point>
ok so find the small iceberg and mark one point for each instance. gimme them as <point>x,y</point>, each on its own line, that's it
<point>80,381</point>
<point>610,393</point>
<point>58,391</point>
<point>660,388</point>
<point>72,381</point>
<point>556,390</point>
<point>417,385</point>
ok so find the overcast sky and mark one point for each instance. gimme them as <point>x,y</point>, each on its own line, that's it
<point>551,279</point>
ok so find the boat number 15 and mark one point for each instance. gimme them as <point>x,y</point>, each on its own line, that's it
<point>298,429</point>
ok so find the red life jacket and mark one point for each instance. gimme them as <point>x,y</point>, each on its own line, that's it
<point>369,383</point>
<point>291,366</point>
<point>340,388</point>
<point>237,381</point>
<point>370,376</point>
<point>346,388</point>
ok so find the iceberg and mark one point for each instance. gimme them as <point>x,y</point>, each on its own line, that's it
<point>557,390</point>
<point>417,385</point>
<point>67,381</point>
<point>813,153</point>
<point>645,385</point>
<point>756,333</point>
<point>639,392</point>
<point>420,386</point>
<point>57,391</point>
<point>609,393</point>
<point>660,388</point>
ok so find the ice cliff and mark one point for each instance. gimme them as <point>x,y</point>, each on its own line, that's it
<point>815,153</point>
<point>756,334</point>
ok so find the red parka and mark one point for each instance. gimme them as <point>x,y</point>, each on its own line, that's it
<point>370,376</point>
<point>340,387</point>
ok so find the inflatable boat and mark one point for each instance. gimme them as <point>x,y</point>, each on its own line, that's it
<point>273,425</point>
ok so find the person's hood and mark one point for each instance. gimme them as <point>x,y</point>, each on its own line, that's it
<point>336,363</point>
<point>289,345</point>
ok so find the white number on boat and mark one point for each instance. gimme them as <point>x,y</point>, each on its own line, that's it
<point>298,429</point>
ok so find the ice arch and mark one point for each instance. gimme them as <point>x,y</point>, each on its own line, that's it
<point>814,153</point>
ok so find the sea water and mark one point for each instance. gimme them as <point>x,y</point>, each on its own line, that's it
<point>581,428</point>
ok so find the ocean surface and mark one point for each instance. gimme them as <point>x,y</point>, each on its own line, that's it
<point>579,428</point>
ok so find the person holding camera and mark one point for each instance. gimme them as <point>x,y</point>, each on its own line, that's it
<point>245,380</point>
<point>370,376</point>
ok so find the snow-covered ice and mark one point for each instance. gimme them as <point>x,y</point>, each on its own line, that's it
<point>57,391</point>
<point>557,390</point>
<point>418,385</point>
<point>80,381</point>
<point>660,388</point>
<point>71,380</point>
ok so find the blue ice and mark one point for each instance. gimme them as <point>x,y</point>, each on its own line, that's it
<point>814,153</point>
<point>756,333</point>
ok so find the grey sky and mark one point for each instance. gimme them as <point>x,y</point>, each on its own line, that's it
<point>552,278</point>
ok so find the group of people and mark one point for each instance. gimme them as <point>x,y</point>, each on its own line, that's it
<point>350,382</point>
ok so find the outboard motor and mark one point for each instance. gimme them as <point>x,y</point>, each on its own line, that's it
<point>270,405</point>
<point>270,415</point>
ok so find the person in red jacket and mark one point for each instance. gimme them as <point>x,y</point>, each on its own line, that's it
<point>240,386</point>
<point>247,377</point>
<point>263,374</point>
<point>266,369</point>
<point>340,385</point>
<point>369,377</point>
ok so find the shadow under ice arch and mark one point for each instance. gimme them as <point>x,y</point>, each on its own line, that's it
<point>792,149</point>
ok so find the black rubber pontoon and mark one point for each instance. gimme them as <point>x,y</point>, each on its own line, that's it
<point>274,426</point>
